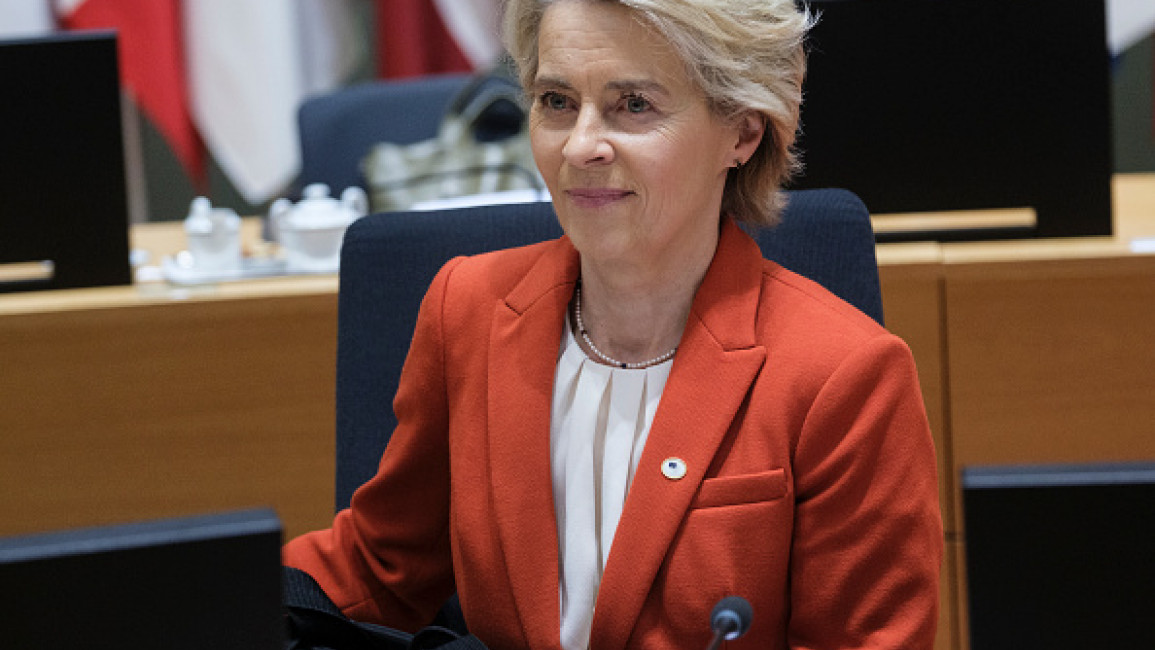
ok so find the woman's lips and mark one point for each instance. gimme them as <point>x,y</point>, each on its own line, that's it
<point>596,197</point>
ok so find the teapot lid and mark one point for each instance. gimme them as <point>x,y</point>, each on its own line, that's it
<point>317,209</point>
<point>315,191</point>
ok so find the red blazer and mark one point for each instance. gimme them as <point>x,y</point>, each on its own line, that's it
<point>810,490</point>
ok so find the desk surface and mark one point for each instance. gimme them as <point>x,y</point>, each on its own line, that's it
<point>1134,218</point>
<point>159,240</point>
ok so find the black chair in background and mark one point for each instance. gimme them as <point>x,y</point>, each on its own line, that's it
<point>388,261</point>
<point>338,129</point>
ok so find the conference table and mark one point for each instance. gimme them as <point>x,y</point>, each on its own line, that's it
<point>155,400</point>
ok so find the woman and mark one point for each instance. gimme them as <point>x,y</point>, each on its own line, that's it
<point>600,436</point>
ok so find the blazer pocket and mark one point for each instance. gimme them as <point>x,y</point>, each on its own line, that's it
<point>737,490</point>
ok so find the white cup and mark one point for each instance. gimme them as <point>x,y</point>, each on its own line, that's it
<point>214,236</point>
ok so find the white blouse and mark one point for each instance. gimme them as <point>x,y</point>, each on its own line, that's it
<point>599,422</point>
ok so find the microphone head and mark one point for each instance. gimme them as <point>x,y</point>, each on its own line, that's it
<point>731,617</point>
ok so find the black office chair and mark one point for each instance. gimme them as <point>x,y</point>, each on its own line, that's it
<point>388,261</point>
<point>338,129</point>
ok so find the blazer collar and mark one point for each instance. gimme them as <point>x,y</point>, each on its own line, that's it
<point>691,421</point>
<point>523,349</point>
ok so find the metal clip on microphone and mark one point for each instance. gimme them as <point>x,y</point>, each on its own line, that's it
<point>730,619</point>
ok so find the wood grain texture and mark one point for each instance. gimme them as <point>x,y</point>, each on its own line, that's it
<point>131,413</point>
<point>911,300</point>
<point>1051,362</point>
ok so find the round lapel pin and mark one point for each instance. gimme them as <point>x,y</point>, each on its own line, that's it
<point>673,468</point>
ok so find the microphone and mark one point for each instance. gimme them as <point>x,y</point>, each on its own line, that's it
<point>730,619</point>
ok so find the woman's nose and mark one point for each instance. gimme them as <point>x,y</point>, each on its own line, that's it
<point>587,143</point>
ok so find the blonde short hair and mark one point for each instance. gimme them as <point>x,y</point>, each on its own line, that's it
<point>745,55</point>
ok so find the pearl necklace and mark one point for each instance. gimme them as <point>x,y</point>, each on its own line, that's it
<point>577,315</point>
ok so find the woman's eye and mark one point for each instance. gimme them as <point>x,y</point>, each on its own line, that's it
<point>637,104</point>
<point>554,101</point>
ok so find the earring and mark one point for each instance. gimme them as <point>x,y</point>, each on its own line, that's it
<point>738,163</point>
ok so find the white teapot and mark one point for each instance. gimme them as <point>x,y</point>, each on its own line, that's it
<point>311,231</point>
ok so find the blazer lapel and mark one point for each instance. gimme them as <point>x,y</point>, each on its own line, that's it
<point>715,365</point>
<point>523,348</point>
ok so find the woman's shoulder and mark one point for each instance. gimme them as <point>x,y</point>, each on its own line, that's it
<point>796,310</point>
<point>496,273</point>
<point>812,336</point>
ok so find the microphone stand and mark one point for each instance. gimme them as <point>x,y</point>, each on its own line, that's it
<point>719,635</point>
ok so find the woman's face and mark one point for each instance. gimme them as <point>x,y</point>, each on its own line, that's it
<point>635,160</point>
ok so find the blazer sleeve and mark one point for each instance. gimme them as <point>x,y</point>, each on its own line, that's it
<point>868,539</point>
<point>386,559</point>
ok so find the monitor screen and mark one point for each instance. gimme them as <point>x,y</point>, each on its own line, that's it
<point>211,581</point>
<point>940,105</point>
<point>63,197</point>
<point>1060,556</point>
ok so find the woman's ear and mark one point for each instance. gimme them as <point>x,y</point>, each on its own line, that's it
<point>751,130</point>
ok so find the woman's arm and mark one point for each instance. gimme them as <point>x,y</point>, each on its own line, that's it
<point>868,533</point>
<point>386,558</point>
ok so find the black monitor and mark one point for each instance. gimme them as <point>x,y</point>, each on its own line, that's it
<point>63,198</point>
<point>1060,556</point>
<point>934,105</point>
<point>211,581</point>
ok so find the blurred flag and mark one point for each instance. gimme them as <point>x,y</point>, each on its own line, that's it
<point>1128,22</point>
<point>230,74</point>
<point>475,28</point>
<point>412,40</point>
<point>151,64</point>
<point>251,63</point>
<point>20,18</point>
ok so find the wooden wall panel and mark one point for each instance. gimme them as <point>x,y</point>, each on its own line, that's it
<point>912,297</point>
<point>950,590</point>
<point>1051,361</point>
<point>957,552</point>
<point>129,413</point>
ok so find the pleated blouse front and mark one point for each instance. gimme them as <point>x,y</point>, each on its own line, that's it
<point>599,422</point>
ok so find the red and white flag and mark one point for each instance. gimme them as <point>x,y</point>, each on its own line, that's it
<point>149,40</point>
<point>230,74</point>
<point>421,37</point>
<point>475,26</point>
<point>412,40</point>
<point>251,63</point>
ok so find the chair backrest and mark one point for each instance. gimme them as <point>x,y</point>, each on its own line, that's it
<point>338,129</point>
<point>388,261</point>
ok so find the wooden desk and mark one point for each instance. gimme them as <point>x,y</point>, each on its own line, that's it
<point>1030,351</point>
<point>135,402</point>
<point>126,403</point>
